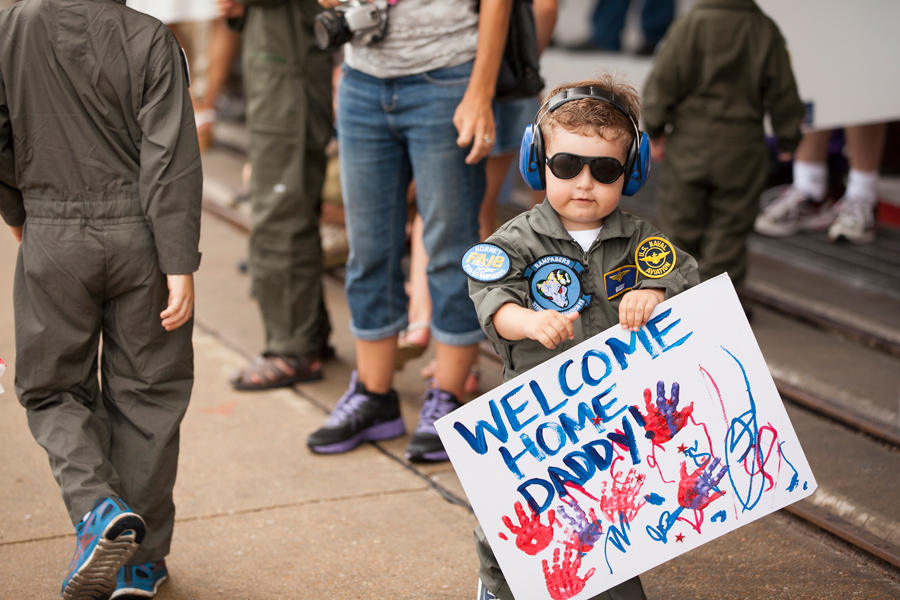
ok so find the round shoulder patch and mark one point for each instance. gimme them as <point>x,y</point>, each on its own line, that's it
<point>555,284</point>
<point>486,262</point>
<point>655,257</point>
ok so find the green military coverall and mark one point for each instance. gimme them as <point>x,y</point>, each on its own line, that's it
<point>287,82</point>
<point>721,67</point>
<point>610,269</point>
<point>99,160</point>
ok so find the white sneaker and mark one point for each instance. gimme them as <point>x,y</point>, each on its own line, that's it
<point>787,210</point>
<point>855,221</point>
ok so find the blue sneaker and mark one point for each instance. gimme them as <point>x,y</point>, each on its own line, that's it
<point>107,537</point>
<point>140,581</point>
<point>358,417</point>
<point>425,445</point>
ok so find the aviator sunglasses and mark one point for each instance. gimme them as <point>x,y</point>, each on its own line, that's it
<point>604,169</point>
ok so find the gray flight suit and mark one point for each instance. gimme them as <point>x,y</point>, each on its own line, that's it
<point>720,69</point>
<point>287,83</point>
<point>610,270</point>
<point>99,160</point>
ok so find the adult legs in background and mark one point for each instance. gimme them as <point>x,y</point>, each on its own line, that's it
<point>289,115</point>
<point>855,218</point>
<point>383,144</point>
<point>223,47</point>
<point>803,205</point>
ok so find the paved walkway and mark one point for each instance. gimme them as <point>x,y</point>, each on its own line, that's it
<point>262,518</point>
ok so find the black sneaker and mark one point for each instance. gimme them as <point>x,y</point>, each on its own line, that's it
<point>425,445</point>
<point>358,418</point>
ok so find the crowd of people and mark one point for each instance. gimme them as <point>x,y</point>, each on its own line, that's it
<point>108,215</point>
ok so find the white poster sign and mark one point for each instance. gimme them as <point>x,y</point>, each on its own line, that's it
<point>629,449</point>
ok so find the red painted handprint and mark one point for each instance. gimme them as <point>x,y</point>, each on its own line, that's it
<point>622,498</point>
<point>532,536</point>
<point>694,489</point>
<point>663,419</point>
<point>563,581</point>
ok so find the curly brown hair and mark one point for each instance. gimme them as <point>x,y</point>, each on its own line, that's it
<point>592,117</point>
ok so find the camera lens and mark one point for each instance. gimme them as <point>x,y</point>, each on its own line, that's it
<point>330,30</point>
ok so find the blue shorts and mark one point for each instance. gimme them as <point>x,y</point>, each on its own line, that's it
<point>511,119</point>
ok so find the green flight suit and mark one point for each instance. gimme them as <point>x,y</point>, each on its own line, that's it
<point>99,160</point>
<point>604,273</point>
<point>720,69</point>
<point>287,82</point>
<point>610,270</point>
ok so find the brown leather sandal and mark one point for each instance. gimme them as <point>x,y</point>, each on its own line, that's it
<point>271,371</point>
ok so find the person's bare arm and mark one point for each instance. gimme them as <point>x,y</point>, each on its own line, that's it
<point>550,328</point>
<point>474,117</point>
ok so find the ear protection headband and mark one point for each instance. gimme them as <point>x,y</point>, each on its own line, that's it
<point>531,152</point>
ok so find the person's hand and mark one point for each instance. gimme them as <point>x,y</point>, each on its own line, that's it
<point>181,301</point>
<point>549,327</point>
<point>474,121</point>
<point>636,306</point>
<point>658,148</point>
<point>17,233</point>
<point>329,4</point>
<point>229,9</point>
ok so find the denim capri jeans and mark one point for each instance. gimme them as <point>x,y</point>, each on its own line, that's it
<point>392,131</point>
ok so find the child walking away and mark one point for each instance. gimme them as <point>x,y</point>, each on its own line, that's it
<point>573,266</point>
<point>720,69</point>
<point>100,182</point>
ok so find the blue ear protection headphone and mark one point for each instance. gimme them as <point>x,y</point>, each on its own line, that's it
<point>531,153</point>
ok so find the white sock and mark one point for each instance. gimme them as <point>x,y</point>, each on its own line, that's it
<point>862,185</point>
<point>811,178</point>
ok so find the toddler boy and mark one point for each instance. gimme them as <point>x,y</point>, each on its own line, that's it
<point>577,264</point>
<point>100,182</point>
<point>721,68</point>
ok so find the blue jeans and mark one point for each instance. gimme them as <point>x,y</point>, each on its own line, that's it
<point>609,21</point>
<point>391,131</point>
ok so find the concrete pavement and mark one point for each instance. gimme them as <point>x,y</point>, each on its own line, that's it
<point>260,517</point>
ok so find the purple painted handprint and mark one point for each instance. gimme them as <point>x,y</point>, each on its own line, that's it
<point>694,489</point>
<point>663,419</point>
<point>586,529</point>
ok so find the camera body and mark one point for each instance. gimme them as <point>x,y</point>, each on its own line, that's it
<point>356,21</point>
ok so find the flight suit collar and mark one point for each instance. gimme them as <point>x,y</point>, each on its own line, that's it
<point>544,221</point>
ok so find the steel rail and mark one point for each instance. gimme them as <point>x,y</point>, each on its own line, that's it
<point>826,322</point>
<point>853,535</point>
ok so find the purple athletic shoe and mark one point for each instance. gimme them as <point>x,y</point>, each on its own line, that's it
<point>358,417</point>
<point>425,445</point>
